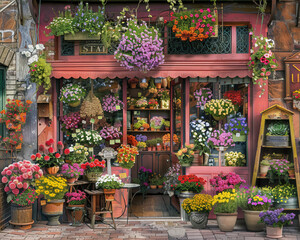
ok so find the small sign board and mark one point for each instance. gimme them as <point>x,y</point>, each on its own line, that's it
<point>92,48</point>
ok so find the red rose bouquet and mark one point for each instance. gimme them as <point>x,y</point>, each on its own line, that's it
<point>47,156</point>
<point>189,183</point>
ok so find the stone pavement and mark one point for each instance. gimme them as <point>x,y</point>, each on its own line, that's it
<point>159,229</point>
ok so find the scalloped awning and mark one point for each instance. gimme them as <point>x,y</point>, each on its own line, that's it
<point>188,68</point>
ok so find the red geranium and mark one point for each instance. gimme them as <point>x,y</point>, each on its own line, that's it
<point>190,183</point>
<point>94,166</point>
<point>235,97</point>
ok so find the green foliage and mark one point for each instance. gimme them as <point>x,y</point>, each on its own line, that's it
<point>278,129</point>
<point>40,72</point>
<point>265,163</point>
<point>167,123</point>
<point>25,198</point>
<point>61,25</point>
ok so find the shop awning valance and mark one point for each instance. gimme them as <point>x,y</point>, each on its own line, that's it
<point>188,68</point>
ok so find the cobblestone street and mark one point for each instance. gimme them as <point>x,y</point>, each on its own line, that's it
<point>148,229</point>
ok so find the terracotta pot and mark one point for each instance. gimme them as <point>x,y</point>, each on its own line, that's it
<point>152,129</point>
<point>226,221</point>
<point>274,232</point>
<point>77,215</point>
<point>164,82</point>
<point>135,129</point>
<point>53,210</point>
<point>151,107</point>
<point>52,170</point>
<point>153,149</point>
<point>109,194</point>
<point>68,161</point>
<point>252,218</point>
<point>142,107</point>
<point>199,219</point>
<point>158,148</point>
<point>160,186</point>
<point>133,85</point>
<point>158,85</point>
<point>153,186</point>
<point>74,104</point>
<point>131,107</point>
<point>21,216</point>
<point>71,180</point>
<point>167,128</point>
<point>291,173</point>
<point>149,149</point>
<point>168,148</point>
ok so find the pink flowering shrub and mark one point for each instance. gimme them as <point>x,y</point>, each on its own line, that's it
<point>19,176</point>
<point>226,182</point>
<point>110,103</point>
<point>220,138</point>
<point>71,171</point>
<point>76,198</point>
<point>109,133</point>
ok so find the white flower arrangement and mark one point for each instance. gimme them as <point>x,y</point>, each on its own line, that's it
<point>32,53</point>
<point>109,182</point>
<point>200,131</point>
<point>87,137</point>
<point>235,159</point>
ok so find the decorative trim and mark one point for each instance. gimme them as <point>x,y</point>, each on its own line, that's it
<point>289,62</point>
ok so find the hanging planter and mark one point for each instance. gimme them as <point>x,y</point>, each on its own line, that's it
<point>195,25</point>
<point>81,36</point>
<point>219,108</point>
<point>140,48</point>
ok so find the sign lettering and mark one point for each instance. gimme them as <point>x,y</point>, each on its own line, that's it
<point>92,48</point>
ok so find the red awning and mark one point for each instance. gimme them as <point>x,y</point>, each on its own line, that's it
<point>81,68</point>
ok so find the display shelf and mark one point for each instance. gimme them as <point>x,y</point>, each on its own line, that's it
<point>155,151</point>
<point>283,147</point>
<point>147,109</point>
<point>292,178</point>
<point>161,131</point>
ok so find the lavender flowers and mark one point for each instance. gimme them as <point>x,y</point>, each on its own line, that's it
<point>111,104</point>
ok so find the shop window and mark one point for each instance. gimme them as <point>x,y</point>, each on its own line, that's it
<point>242,39</point>
<point>101,88</point>
<point>67,47</point>
<point>217,88</point>
<point>218,45</point>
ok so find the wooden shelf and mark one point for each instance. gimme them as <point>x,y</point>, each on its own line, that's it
<point>265,146</point>
<point>164,151</point>
<point>268,178</point>
<point>291,209</point>
<point>161,131</point>
<point>147,109</point>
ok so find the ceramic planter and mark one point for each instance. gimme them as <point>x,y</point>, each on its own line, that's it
<point>53,210</point>
<point>199,219</point>
<point>251,219</point>
<point>264,170</point>
<point>109,194</point>
<point>52,170</point>
<point>226,221</point>
<point>274,232</point>
<point>291,172</point>
<point>21,216</point>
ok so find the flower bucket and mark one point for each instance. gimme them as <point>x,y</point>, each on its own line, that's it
<point>81,36</point>
<point>199,219</point>
<point>93,176</point>
<point>109,194</point>
<point>21,216</point>
<point>74,104</point>
<point>52,170</point>
<point>274,232</point>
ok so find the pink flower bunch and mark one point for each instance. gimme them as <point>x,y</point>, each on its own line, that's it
<point>19,175</point>
<point>220,138</point>
<point>109,133</point>
<point>202,96</point>
<point>76,198</point>
<point>111,104</point>
<point>223,182</point>
<point>71,171</point>
<point>71,121</point>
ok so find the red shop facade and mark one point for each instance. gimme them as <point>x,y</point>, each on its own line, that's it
<point>220,64</point>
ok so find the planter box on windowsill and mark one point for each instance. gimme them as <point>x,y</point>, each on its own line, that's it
<point>81,36</point>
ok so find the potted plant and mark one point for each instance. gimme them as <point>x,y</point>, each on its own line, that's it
<point>143,83</point>
<point>78,154</point>
<point>141,138</point>
<point>235,97</point>
<point>186,155</point>
<point>167,125</point>
<point>71,122</point>
<point>225,208</point>
<point>141,103</point>
<point>110,134</point>
<point>227,182</point>
<point>141,146</point>
<point>275,220</point>
<point>149,147</point>
<point>160,182</point>
<point>254,200</point>
<point>77,200</point>
<point>93,169</point>
<point>220,140</point>
<point>171,179</point>
<point>148,52</point>
<point>126,156</point>
<point>156,123</point>
<point>111,103</point>
<point>239,129</point>
<point>146,126</point>
<point>87,138</point>
<point>153,104</point>
<point>202,96</point>
<point>296,99</point>
<point>158,144</point>
<point>198,209</point>
<point>143,176</point>
<point>133,82</point>
<point>109,184</point>
<point>194,25</point>
<point>131,140</point>
<point>235,159</point>
<point>153,144</point>
<point>71,172</point>
<point>164,96</point>
<point>49,159</point>
<point>278,170</point>
<point>137,125</point>
<point>19,178</point>
<point>53,189</point>
<point>291,170</point>
<point>72,94</point>
<point>285,196</point>
<point>131,103</point>
<point>264,167</point>
<point>219,108</point>
<point>153,182</point>
<point>277,134</point>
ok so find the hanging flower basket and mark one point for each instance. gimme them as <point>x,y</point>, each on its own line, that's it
<point>195,25</point>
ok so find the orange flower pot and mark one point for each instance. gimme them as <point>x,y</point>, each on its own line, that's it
<point>52,170</point>
<point>109,194</point>
<point>71,180</point>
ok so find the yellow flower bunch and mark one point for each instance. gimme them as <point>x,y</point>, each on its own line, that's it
<point>186,154</point>
<point>219,107</point>
<point>141,144</point>
<point>51,187</point>
<point>281,193</point>
<point>235,159</point>
<point>199,203</point>
<point>225,202</point>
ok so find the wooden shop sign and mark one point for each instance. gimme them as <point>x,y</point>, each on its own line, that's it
<point>92,48</point>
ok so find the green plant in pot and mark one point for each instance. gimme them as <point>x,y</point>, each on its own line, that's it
<point>149,147</point>
<point>264,167</point>
<point>159,144</point>
<point>285,196</point>
<point>277,134</point>
<point>137,126</point>
<point>279,171</point>
<point>167,125</point>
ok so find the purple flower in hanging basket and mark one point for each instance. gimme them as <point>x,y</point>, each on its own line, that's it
<point>202,96</point>
<point>111,104</point>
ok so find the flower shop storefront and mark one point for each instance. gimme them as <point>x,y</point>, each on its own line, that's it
<point>98,102</point>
